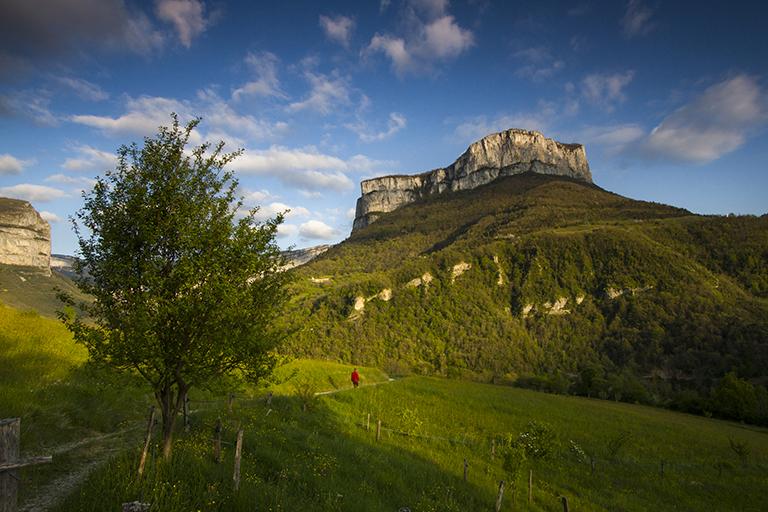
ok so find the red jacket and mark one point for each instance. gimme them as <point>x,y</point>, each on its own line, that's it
<point>355,377</point>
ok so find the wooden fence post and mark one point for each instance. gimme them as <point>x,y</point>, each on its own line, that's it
<point>530,487</point>
<point>466,466</point>
<point>500,496</point>
<point>493,448</point>
<point>217,441</point>
<point>662,468</point>
<point>10,431</point>
<point>147,439</point>
<point>230,401</point>
<point>368,423</point>
<point>238,453</point>
<point>378,430</point>
<point>565,503</point>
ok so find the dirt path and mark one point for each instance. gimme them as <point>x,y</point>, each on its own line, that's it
<point>99,450</point>
<point>321,393</point>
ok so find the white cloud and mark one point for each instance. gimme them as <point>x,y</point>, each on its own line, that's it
<point>305,168</point>
<point>145,114</point>
<point>538,64</point>
<point>186,16</point>
<point>637,19</point>
<point>78,183</point>
<point>30,192</point>
<point>478,127</point>
<point>142,117</point>
<point>338,29</point>
<point>83,88</point>
<point>90,159</point>
<point>256,196</point>
<point>30,104</point>
<point>287,230</point>
<point>396,123</point>
<point>317,230</point>
<point>9,164</point>
<point>715,123</point>
<point>263,65</point>
<point>613,138</point>
<point>446,39</point>
<point>50,217</point>
<point>350,214</point>
<point>270,211</point>
<point>606,90</point>
<point>431,36</point>
<point>326,94</point>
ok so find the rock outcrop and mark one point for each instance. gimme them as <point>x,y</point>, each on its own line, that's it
<point>299,257</point>
<point>506,153</point>
<point>25,238</point>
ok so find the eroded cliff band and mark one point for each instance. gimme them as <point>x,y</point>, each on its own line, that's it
<point>506,153</point>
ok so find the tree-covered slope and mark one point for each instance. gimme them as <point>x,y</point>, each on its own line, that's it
<point>552,283</point>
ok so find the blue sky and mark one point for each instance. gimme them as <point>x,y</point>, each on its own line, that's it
<point>669,97</point>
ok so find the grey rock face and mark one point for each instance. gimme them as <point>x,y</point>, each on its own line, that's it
<point>301,256</point>
<point>506,153</point>
<point>25,238</point>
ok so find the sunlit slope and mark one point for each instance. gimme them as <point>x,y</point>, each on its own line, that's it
<point>534,275</point>
<point>602,455</point>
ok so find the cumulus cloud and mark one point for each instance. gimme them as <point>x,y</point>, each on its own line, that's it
<point>614,139</point>
<point>715,123</point>
<point>338,29</point>
<point>478,127</point>
<point>305,168</point>
<point>186,16</point>
<point>270,211</point>
<point>50,216</point>
<point>537,63</point>
<point>9,164</point>
<point>90,159</point>
<point>30,192</point>
<point>145,114</point>
<point>431,36</point>
<point>317,230</point>
<point>83,88</point>
<point>395,123</point>
<point>263,66</point>
<point>606,90</point>
<point>287,230</point>
<point>637,19</point>
<point>29,104</point>
<point>326,93</point>
<point>78,183</point>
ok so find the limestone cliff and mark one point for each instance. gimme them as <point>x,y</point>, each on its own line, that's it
<point>506,153</point>
<point>25,238</point>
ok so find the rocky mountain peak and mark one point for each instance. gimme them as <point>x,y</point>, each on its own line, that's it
<point>506,153</point>
<point>25,237</point>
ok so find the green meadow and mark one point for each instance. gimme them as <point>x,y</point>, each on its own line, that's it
<point>307,452</point>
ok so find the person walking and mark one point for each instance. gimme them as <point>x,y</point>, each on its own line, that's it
<point>355,378</point>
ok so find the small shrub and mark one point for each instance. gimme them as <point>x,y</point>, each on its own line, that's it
<point>741,449</point>
<point>538,441</point>
<point>305,391</point>
<point>578,452</point>
<point>616,444</point>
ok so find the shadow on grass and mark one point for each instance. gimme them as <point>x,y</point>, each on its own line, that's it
<point>292,460</point>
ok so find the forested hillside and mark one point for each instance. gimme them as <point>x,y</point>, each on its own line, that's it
<point>555,284</point>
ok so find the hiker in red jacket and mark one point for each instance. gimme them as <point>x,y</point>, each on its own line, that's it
<point>355,378</point>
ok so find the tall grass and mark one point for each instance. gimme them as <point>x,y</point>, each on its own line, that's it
<point>325,459</point>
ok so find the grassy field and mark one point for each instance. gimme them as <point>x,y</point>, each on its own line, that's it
<point>325,458</point>
<point>307,452</point>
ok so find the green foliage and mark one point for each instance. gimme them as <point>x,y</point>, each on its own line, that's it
<point>183,292</point>
<point>616,445</point>
<point>660,304</point>
<point>741,449</point>
<point>326,460</point>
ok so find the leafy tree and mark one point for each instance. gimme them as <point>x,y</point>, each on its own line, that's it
<point>184,292</point>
